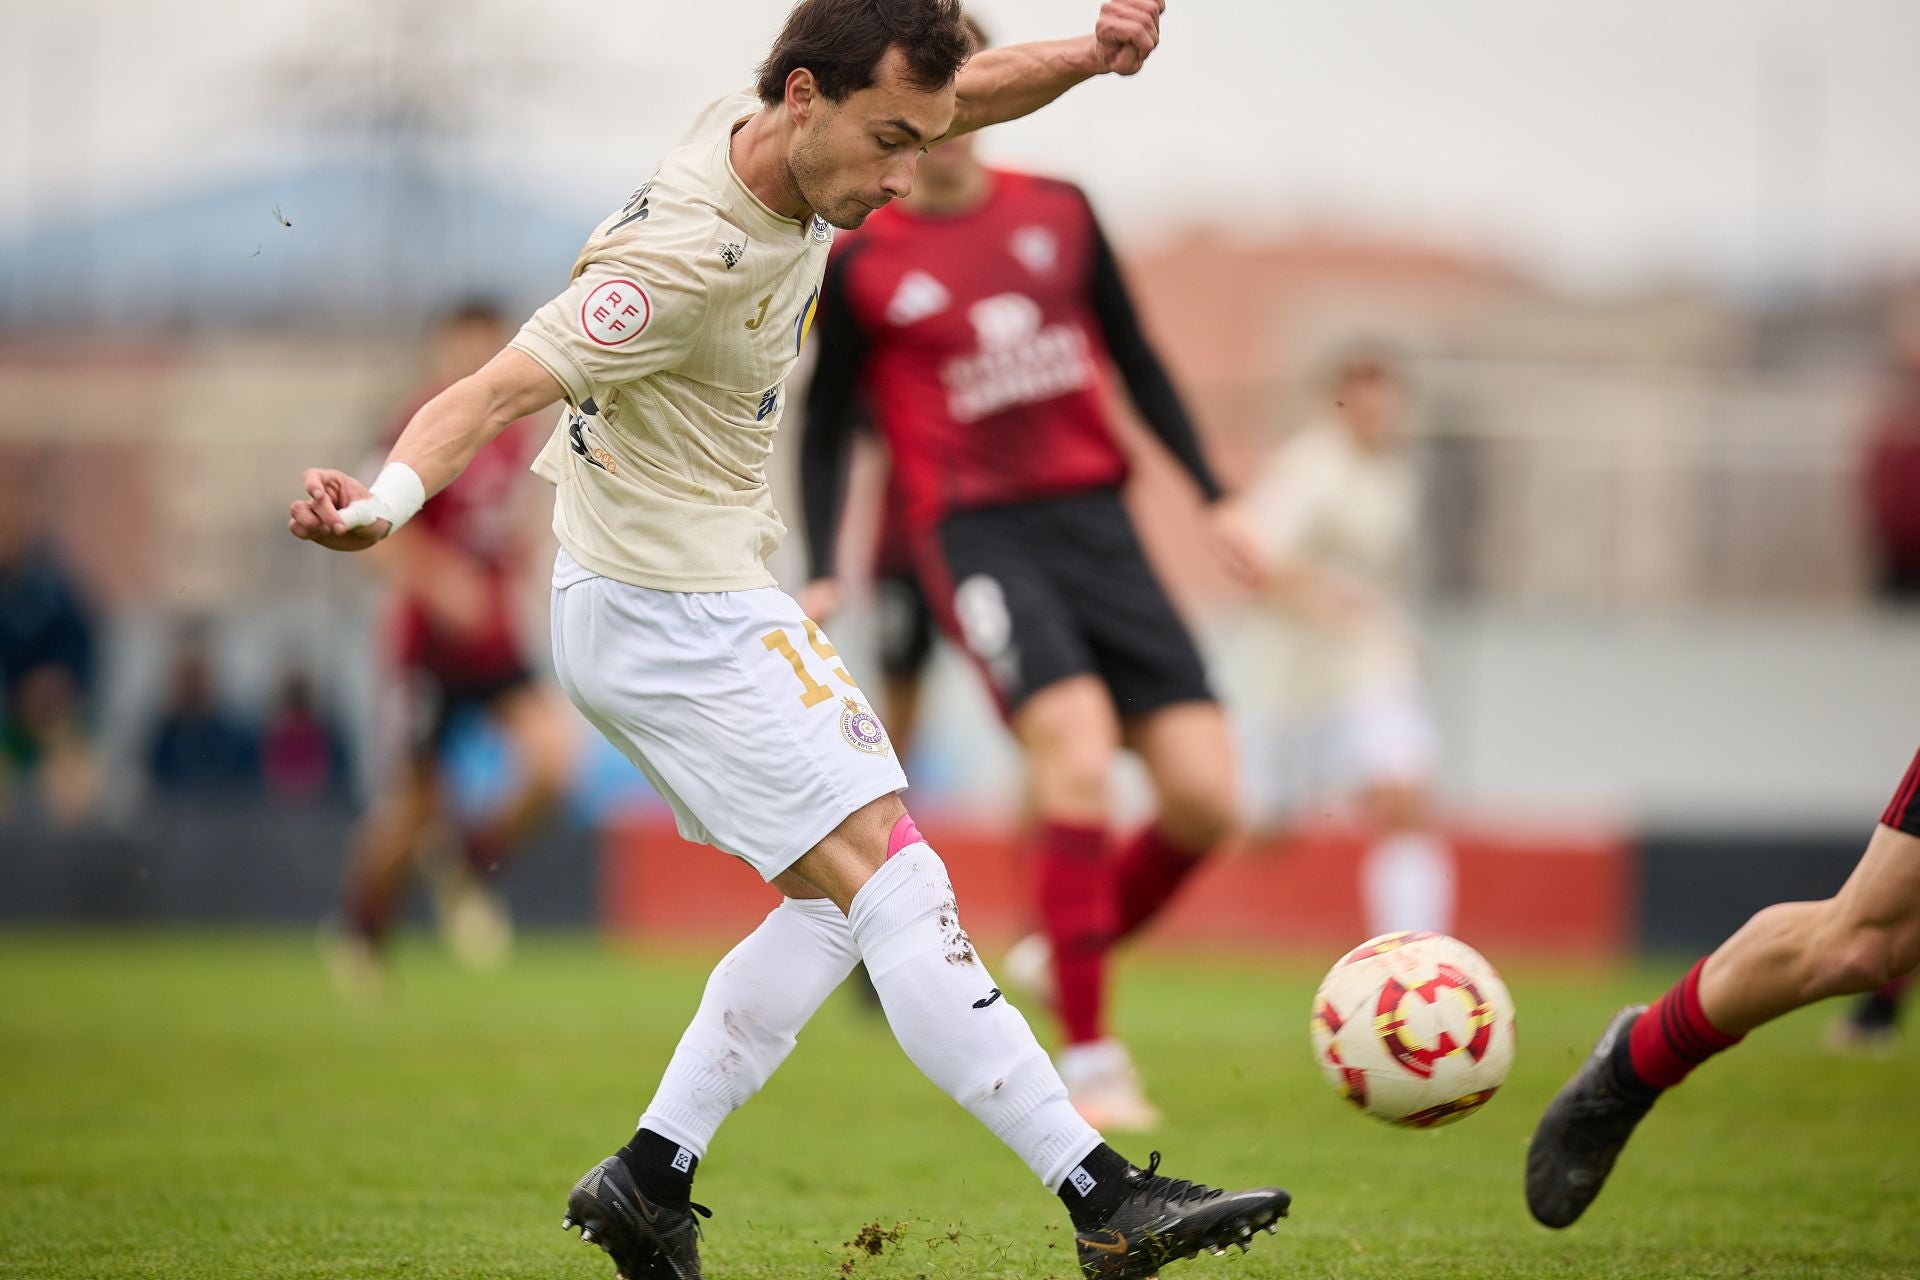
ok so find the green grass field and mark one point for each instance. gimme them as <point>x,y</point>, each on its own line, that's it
<point>200,1105</point>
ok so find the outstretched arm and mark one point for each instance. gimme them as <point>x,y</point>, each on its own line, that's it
<point>1004,84</point>
<point>436,446</point>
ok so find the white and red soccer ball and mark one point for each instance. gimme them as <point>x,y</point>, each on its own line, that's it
<point>1414,1028</point>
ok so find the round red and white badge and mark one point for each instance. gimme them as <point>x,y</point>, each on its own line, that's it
<point>615,312</point>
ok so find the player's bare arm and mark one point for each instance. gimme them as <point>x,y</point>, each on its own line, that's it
<point>1006,83</point>
<point>437,445</point>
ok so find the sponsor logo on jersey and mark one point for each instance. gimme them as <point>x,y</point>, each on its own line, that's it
<point>917,297</point>
<point>1021,359</point>
<point>769,401</point>
<point>862,728</point>
<point>615,313</point>
<point>1037,249</point>
<point>730,253</point>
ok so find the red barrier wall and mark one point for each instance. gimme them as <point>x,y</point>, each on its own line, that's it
<point>1566,893</point>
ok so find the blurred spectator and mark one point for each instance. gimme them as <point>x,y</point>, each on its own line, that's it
<point>197,747</point>
<point>302,757</point>
<point>46,656</point>
<point>1893,480</point>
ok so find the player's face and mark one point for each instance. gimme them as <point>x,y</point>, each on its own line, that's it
<point>1374,406</point>
<point>854,156</point>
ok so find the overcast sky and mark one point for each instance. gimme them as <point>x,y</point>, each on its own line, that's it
<point>1747,139</point>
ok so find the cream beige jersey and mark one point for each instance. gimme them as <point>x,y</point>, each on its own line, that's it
<point>1351,513</point>
<point>688,308</point>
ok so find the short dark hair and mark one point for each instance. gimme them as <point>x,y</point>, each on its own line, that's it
<point>472,310</point>
<point>842,42</point>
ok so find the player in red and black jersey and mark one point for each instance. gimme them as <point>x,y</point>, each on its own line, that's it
<point>452,634</point>
<point>1787,956</point>
<point>974,323</point>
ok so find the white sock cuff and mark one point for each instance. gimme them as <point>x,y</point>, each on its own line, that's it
<point>818,908</point>
<point>1076,1149</point>
<point>674,1127</point>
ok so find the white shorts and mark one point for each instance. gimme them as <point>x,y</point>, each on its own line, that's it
<point>1377,737</point>
<point>732,703</point>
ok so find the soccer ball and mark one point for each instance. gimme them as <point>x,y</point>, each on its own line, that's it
<point>1414,1028</point>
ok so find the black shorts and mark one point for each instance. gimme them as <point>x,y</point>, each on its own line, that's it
<point>437,701</point>
<point>1043,591</point>
<point>1903,813</point>
<point>907,625</point>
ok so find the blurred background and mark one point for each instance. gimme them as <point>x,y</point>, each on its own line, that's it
<point>1650,273</point>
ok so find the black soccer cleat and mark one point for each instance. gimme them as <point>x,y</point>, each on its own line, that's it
<point>1163,1220</point>
<point>1582,1131</point>
<point>647,1241</point>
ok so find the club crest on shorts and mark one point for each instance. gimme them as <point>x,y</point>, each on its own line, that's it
<point>862,728</point>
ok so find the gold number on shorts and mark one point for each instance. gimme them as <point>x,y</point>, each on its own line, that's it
<point>818,643</point>
<point>812,692</point>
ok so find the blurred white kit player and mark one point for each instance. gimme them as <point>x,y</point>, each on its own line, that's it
<point>1336,510</point>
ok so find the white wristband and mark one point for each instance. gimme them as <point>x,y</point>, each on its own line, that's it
<point>396,496</point>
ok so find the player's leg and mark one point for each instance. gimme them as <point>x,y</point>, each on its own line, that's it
<point>1406,871</point>
<point>542,732</point>
<point>1188,753</point>
<point>678,682</point>
<point>385,846</point>
<point>953,1022</point>
<point>907,629</point>
<point>1871,1023</point>
<point>1154,672</point>
<point>1787,956</point>
<point>1070,739</point>
<point>654,673</point>
<point>1407,874</point>
<point>1009,611</point>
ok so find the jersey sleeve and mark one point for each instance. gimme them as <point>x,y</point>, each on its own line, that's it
<point>1148,384</point>
<point>626,315</point>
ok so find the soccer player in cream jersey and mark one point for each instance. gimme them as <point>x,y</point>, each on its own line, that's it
<point>687,310</point>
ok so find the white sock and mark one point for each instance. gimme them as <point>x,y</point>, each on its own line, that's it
<point>755,1004</point>
<point>950,1017</point>
<point>1407,882</point>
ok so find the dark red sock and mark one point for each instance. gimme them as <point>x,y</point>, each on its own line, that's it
<point>1077,910</point>
<point>1673,1036</point>
<point>1152,869</point>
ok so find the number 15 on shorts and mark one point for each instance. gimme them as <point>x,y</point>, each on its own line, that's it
<point>812,692</point>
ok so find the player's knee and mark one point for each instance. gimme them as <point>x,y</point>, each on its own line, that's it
<point>1864,958</point>
<point>1072,777</point>
<point>1201,812</point>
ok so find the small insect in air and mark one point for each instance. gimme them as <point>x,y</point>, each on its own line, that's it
<point>280,217</point>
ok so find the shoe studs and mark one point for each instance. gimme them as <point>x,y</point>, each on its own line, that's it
<point>586,1235</point>
<point>566,1224</point>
